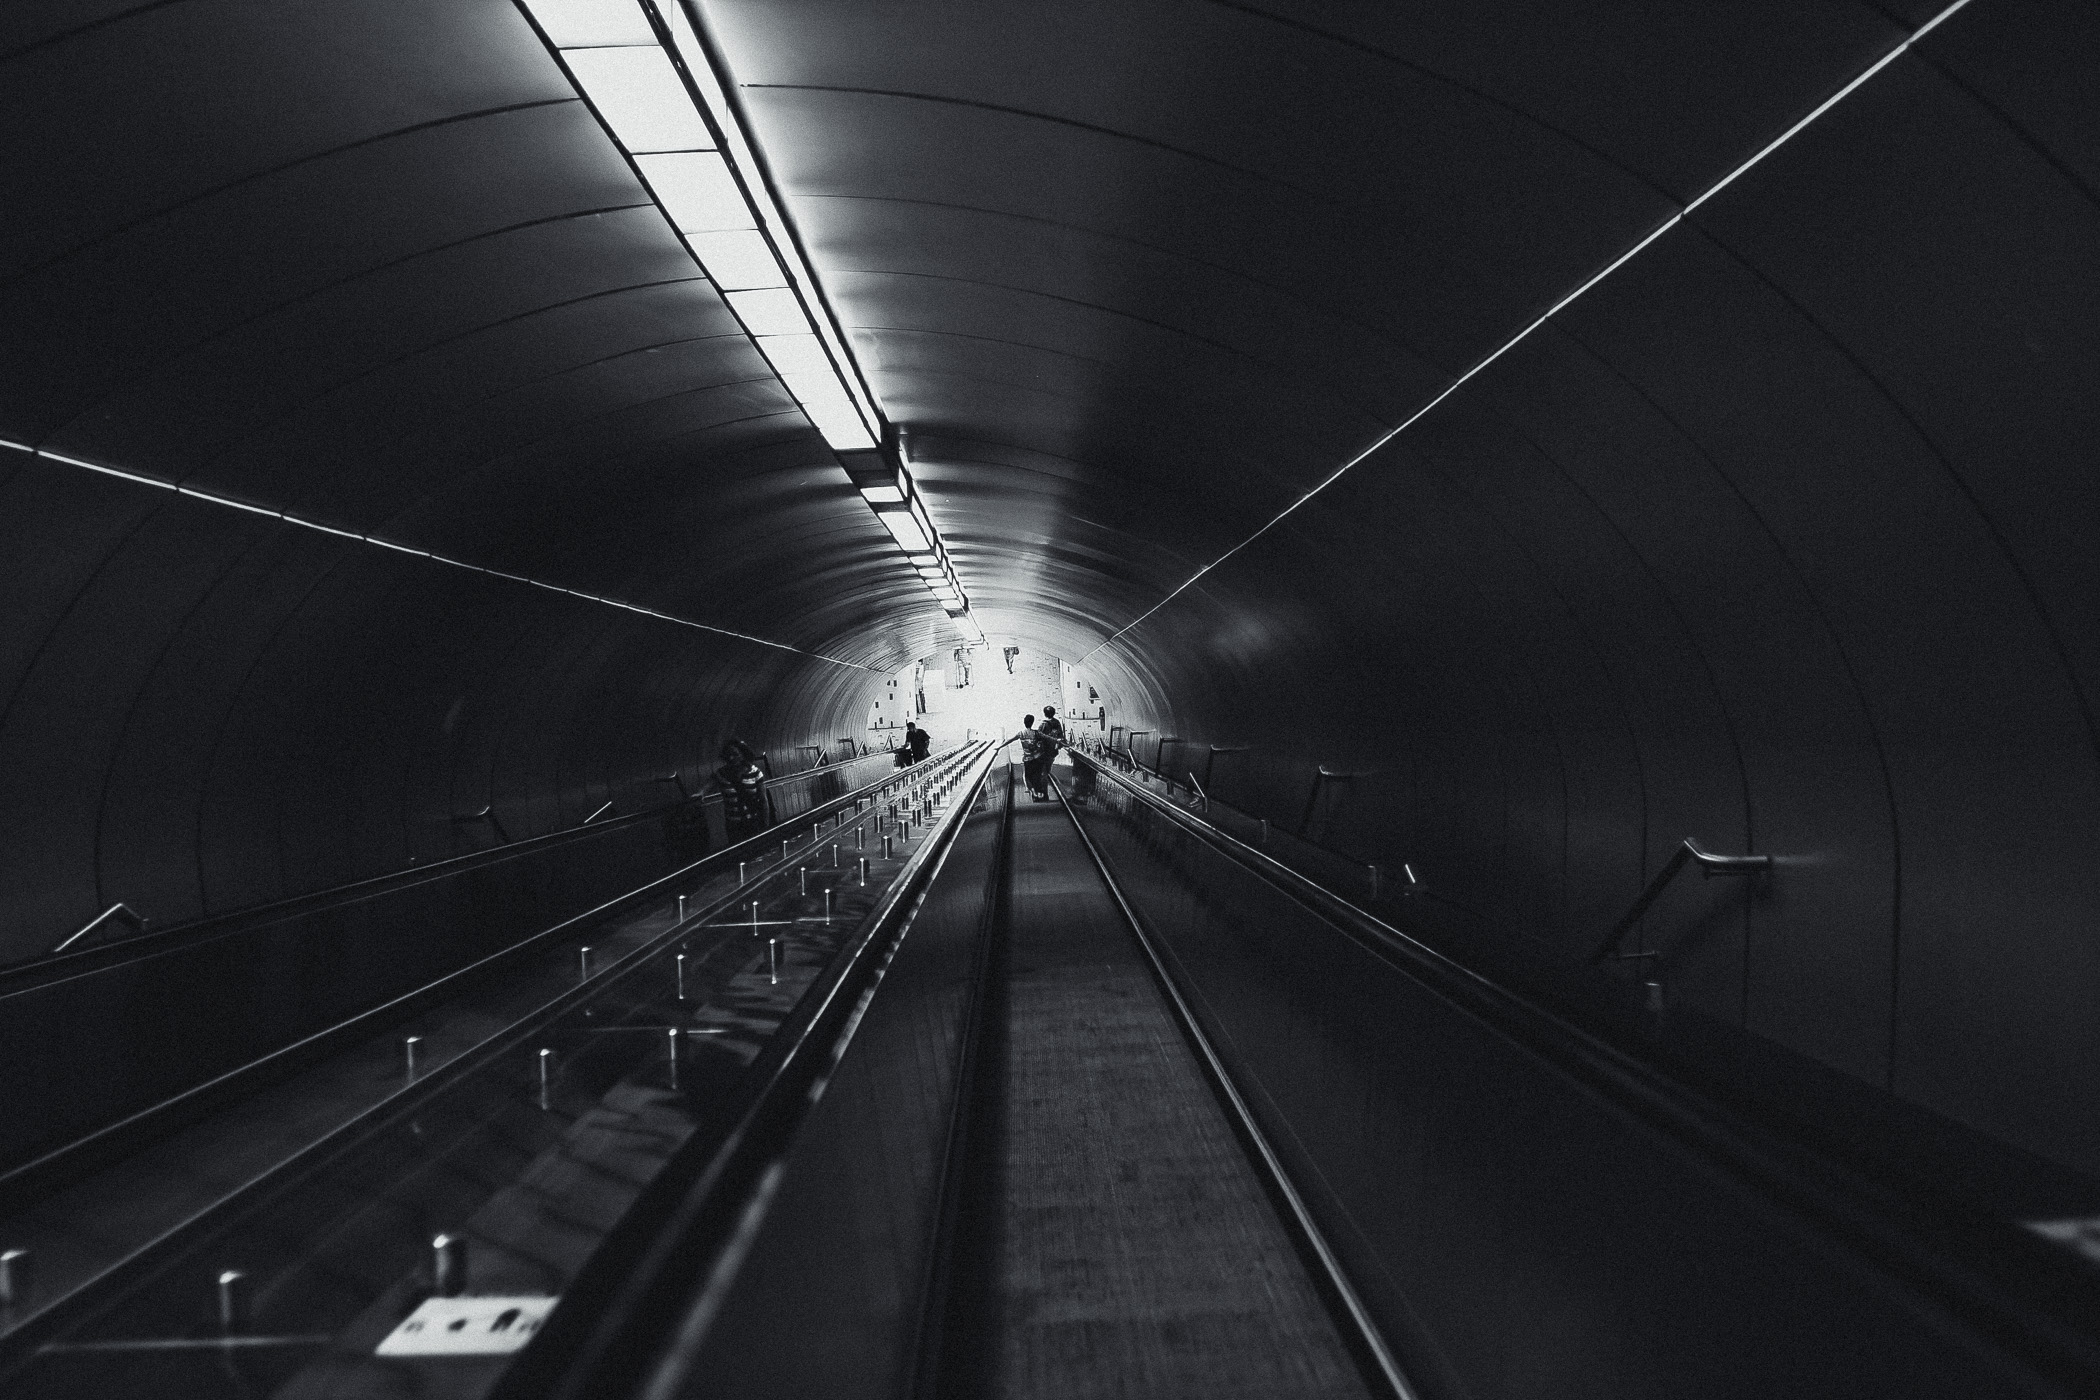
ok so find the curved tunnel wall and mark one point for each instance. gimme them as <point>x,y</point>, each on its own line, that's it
<point>1773,539</point>
<point>1779,537</point>
<point>206,710</point>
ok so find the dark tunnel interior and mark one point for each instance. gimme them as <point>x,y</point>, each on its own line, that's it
<point>1493,439</point>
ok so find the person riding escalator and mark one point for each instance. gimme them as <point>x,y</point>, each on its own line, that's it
<point>741,780</point>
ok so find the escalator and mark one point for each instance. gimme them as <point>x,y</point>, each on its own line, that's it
<point>319,1230</point>
<point>1119,1236</point>
<point>1079,1098</point>
<point>1137,1110</point>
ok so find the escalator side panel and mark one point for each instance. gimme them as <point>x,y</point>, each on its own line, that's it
<point>832,1292</point>
<point>1515,1238</point>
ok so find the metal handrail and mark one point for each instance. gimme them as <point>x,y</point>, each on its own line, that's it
<point>597,814</point>
<point>714,1190</point>
<point>486,814</point>
<point>1211,759</point>
<point>37,964</point>
<point>18,1182</point>
<point>1709,864</point>
<point>1201,795</point>
<point>1852,1206</point>
<point>120,911</point>
<point>1323,775</point>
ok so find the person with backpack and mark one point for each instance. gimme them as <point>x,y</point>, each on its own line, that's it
<point>1053,731</point>
<point>742,782</point>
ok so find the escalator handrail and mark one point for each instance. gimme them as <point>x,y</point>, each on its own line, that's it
<point>2015,1296</point>
<point>655,1285</point>
<point>68,961</point>
<point>51,1314</point>
<point>95,1147</point>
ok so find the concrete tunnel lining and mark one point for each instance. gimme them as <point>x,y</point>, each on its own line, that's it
<point>1772,539</point>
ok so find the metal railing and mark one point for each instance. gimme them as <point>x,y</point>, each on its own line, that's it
<point>1688,853</point>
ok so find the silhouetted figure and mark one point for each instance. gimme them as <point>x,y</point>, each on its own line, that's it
<point>907,754</point>
<point>921,744</point>
<point>742,782</point>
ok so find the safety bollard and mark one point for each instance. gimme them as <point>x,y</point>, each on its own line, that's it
<point>583,960</point>
<point>864,870</point>
<point>234,1297</point>
<point>448,1265</point>
<point>681,976</point>
<point>17,1276</point>
<point>408,1054</point>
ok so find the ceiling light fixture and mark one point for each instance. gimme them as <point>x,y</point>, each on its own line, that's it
<point>650,78</point>
<point>659,87</point>
<point>904,528</point>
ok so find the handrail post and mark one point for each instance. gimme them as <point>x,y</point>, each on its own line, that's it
<point>1710,865</point>
<point>1210,760</point>
<point>486,814</point>
<point>1201,795</point>
<point>1322,775</point>
<point>120,912</point>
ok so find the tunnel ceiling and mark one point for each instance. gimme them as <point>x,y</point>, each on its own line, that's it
<point>1131,277</point>
<point>1135,277</point>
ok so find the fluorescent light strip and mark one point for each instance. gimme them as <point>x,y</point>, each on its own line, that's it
<point>903,528</point>
<point>1675,219</point>
<point>638,92</point>
<point>383,543</point>
<point>742,150</point>
<point>613,53</point>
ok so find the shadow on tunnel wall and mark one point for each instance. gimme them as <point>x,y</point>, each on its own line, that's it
<point>1765,541</point>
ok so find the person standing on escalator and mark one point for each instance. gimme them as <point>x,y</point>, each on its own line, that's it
<point>921,745</point>
<point>742,782</point>
<point>1052,729</point>
<point>1035,769</point>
